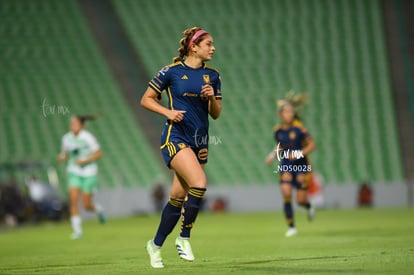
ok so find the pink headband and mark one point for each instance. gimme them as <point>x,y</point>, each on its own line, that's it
<point>195,36</point>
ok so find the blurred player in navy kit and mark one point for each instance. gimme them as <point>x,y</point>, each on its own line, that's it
<point>193,90</point>
<point>293,145</point>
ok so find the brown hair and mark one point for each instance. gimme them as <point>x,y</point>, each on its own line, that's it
<point>83,118</point>
<point>183,50</point>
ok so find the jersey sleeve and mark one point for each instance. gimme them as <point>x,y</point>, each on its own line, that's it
<point>276,136</point>
<point>304,133</point>
<point>63,146</point>
<point>276,130</point>
<point>217,88</point>
<point>161,80</point>
<point>93,143</point>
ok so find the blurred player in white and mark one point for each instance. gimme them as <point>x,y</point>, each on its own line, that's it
<point>81,150</point>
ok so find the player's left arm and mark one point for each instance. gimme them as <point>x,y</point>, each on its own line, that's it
<point>214,104</point>
<point>212,91</point>
<point>95,148</point>
<point>309,146</point>
<point>63,156</point>
<point>91,158</point>
<point>214,107</point>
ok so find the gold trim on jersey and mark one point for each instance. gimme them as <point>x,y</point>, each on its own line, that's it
<point>167,140</point>
<point>211,68</point>
<point>170,98</point>
<point>154,87</point>
<point>296,123</point>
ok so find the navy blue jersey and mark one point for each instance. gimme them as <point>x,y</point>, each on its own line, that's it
<point>183,86</point>
<point>291,141</point>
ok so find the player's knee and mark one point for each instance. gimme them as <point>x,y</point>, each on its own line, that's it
<point>301,201</point>
<point>200,182</point>
<point>74,210</point>
<point>201,185</point>
<point>88,205</point>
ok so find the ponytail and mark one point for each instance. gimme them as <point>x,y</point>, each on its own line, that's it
<point>84,118</point>
<point>296,100</point>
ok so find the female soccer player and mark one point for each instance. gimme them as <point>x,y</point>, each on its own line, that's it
<point>294,144</point>
<point>81,149</point>
<point>193,90</point>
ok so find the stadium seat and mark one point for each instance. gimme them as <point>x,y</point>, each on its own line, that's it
<point>49,57</point>
<point>334,50</point>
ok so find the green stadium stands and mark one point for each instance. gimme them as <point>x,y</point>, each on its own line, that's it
<point>51,68</point>
<point>334,50</point>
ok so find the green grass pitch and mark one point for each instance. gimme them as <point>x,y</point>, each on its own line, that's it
<point>357,241</point>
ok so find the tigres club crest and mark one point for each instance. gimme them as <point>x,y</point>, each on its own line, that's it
<point>206,78</point>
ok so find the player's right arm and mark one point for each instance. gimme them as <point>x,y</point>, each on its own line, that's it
<point>271,156</point>
<point>62,157</point>
<point>150,102</point>
<point>63,154</point>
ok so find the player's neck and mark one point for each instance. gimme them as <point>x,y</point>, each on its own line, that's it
<point>193,62</point>
<point>76,133</point>
<point>286,125</point>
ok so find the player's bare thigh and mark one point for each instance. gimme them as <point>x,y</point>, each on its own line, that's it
<point>188,172</point>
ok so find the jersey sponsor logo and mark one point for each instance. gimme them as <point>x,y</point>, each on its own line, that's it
<point>190,94</point>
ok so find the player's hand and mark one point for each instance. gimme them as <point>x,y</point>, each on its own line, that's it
<point>292,156</point>
<point>207,91</point>
<point>270,158</point>
<point>175,115</point>
<point>81,162</point>
<point>61,157</point>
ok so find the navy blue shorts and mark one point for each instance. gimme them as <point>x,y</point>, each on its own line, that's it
<point>300,181</point>
<point>172,142</point>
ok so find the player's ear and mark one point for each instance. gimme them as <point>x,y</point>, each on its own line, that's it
<point>193,48</point>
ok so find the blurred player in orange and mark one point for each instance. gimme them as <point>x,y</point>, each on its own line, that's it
<point>293,146</point>
<point>315,190</point>
<point>81,150</point>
